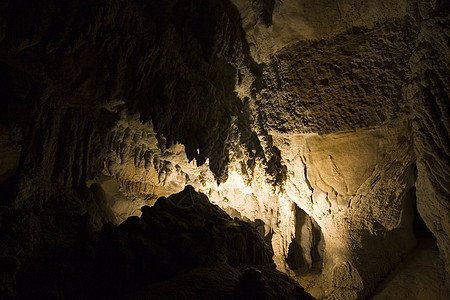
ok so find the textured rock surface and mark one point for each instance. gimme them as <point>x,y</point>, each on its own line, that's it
<point>177,68</point>
<point>67,66</point>
<point>362,77</point>
<point>430,65</point>
<point>181,240</point>
<point>113,104</point>
<point>355,186</point>
<point>349,81</point>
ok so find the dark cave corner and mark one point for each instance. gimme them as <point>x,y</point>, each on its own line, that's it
<point>424,237</point>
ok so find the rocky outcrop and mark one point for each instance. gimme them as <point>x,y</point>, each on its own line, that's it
<point>341,80</point>
<point>182,241</point>
<point>356,186</point>
<point>339,112</point>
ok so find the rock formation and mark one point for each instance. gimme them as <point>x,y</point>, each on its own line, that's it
<point>182,241</point>
<point>324,124</point>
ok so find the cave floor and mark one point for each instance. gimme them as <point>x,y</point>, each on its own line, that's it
<point>419,277</point>
<point>308,280</point>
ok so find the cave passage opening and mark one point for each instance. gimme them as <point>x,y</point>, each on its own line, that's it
<point>305,256</point>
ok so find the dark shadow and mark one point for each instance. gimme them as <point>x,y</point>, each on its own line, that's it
<point>306,249</point>
<point>421,231</point>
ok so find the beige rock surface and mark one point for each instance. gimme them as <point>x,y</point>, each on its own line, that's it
<point>430,64</point>
<point>357,191</point>
<point>419,277</point>
<point>292,20</point>
<point>337,108</point>
<point>9,154</point>
<point>354,185</point>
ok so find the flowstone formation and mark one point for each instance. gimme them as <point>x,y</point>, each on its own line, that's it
<point>323,124</point>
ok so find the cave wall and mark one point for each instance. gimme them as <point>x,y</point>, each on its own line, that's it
<point>430,98</point>
<point>351,80</point>
<point>291,21</point>
<point>177,69</point>
<point>355,185</point>
<point>337,107</point>
<point>67,65</point>
<point>355,74</point>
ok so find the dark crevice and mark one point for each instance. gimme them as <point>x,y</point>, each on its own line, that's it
<point>420,228</point>
<point>306,249</point>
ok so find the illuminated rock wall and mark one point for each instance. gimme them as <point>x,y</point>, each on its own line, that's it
<point>272,25</point>
<point>337,108</point>
<point>351,74</point>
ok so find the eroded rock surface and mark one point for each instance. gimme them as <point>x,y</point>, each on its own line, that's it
<point>291,20</point>
<point>430,64</point>
<point>182,247</point>
<point>337,109</point>
<point>420,276</point>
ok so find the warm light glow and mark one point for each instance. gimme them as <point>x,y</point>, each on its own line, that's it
<point>327,177</point>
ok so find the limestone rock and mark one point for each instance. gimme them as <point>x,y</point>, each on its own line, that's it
<point>292,21</point>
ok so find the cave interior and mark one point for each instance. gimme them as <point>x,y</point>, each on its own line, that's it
<point>225,149</point>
